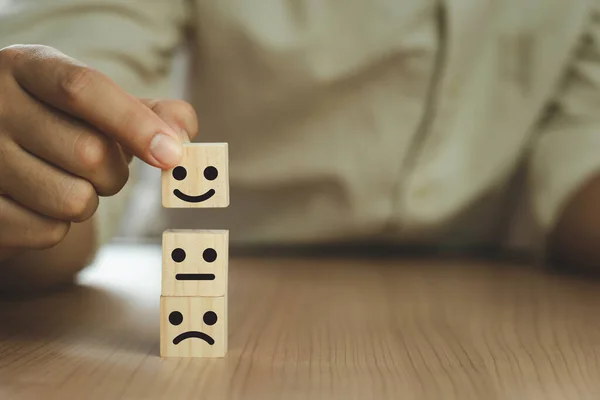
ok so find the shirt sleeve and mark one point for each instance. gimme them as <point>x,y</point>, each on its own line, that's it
<point>131,41</point>
<point>566,152</point>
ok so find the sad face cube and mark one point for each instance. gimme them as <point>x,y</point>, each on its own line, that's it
<point>201,180</point>
<point>193,326</point>
<point>195,262</point>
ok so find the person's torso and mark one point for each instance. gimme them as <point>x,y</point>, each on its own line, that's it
<point>357,119</point>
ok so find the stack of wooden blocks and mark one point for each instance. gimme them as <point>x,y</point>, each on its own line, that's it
<point>193,304</point>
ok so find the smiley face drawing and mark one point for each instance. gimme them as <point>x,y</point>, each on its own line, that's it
<point>195,262</point>
<point>210,174</point>
<point>201,179</point>
<point>193,327</point>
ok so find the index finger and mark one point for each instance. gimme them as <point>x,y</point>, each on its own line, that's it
<point>68,85</point>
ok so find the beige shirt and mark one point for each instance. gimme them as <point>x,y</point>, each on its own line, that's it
<point>408,121</point>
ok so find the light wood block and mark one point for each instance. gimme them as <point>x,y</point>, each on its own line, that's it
<point>195,262</point>
<point>201,180</point>
<point>193,326</point>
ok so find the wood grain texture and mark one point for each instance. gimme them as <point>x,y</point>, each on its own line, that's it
<point>197,246</point>
<point>192,311</point>
<point>197,157</point>
<point>314,328</point>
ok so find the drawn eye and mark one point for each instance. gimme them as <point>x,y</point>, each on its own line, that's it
<point>179,173</point>
<point>178,255</point>
<point>175,318</point>
<point>209,318</point>
<point>211,173</point>
<point>209,255</point>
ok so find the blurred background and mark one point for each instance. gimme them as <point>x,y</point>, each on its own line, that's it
<point>450,124</point>
<point>376,127</point>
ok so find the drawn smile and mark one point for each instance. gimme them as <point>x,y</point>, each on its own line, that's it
<point>194,199</point>
<point>193,334</point>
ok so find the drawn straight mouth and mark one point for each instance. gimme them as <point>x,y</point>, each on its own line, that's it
<point>194,199</point>
<point>193,334</point>
<point>195,277</point>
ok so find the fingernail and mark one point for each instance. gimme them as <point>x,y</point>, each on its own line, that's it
<point>165,150</point>
<point>185,137</point>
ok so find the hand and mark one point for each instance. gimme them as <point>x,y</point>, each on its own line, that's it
<point>65,134</point>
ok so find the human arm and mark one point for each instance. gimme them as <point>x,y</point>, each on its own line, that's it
<point>564,164</point>
<point>130,43</point>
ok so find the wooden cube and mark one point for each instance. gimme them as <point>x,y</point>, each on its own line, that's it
<point>193,326</point>
<point>201,180</point>
<point>195,262</point>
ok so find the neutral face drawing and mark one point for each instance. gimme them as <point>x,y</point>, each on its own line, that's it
<point>195,262</point>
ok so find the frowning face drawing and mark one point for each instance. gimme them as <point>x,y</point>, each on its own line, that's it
<point>193,326</point>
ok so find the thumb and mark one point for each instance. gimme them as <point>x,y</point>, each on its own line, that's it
<point>178,114</point>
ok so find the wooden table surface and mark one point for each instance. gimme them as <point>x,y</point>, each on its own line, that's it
<point>314,328</point>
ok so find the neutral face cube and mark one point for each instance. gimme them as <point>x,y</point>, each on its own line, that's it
<point>201,180</point>
<point>193,326</point>
<point>195,262</point>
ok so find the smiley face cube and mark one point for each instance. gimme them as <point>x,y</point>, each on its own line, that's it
<point>195,262</point>
<point>201,180</point>
<point>193,326</point>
